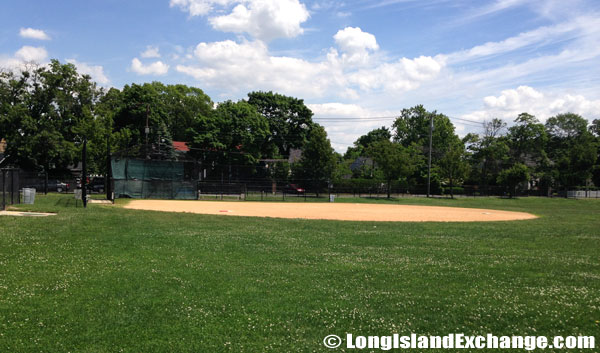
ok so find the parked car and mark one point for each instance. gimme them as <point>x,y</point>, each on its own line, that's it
<point>53,185</point>
<point>293,189</point>
<point>96,185</point>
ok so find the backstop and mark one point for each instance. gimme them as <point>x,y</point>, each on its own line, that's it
<point>154,179</point>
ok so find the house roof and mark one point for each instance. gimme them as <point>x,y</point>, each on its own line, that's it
<point>180,146</point>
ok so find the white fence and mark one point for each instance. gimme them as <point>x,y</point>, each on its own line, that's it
<point>582,194</point>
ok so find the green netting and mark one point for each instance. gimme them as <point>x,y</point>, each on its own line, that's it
<point>139,169</point>
<point>137,178</point>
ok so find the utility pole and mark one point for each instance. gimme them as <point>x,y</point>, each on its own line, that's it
<point>84,173</point>
<point>429,166</point>
<point>147,129</point>
<point>108,170</point>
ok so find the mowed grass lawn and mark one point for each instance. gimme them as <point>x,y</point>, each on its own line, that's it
<point>106,279</point>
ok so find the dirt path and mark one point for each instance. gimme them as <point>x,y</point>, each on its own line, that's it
<point>332,211</point>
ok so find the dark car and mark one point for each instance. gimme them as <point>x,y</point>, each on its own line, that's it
<point>53,185</point>
<point>293,189</point>
<point>96,185</point>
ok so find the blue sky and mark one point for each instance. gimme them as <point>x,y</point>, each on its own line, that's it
<point>356,63</point>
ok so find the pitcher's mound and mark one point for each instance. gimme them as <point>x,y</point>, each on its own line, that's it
<point>332,211</point>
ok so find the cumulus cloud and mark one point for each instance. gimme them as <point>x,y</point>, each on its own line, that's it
<point>156,68</point>
<point>32,54</point>
<point>264,19</point>
<point>512,102</point>
<point>23,57</point>
<point>355,44</point>
<point>150,52</point>
<point>32,33</point>
<point>249,66</point>
<point>402,75</point>
<point>261,19</point>
<point>353,40</point>
<point>95,71</point>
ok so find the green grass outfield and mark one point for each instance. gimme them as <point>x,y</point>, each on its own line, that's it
<point>106,279</point>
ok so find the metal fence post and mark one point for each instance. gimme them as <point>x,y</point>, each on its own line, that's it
<point>3,189</point>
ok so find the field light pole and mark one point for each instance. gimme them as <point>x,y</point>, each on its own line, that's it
<point>429,164</point>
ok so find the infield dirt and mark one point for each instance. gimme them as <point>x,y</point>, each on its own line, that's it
<point>332,211</point>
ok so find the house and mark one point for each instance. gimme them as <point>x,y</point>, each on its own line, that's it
<point>181,146</point>
<point>361,162</point>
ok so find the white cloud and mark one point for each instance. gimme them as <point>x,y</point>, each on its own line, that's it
<point>541,35</point>
<point>355,44</point>
<point>512,102</point>
<point>353,39</point>
<point>249,66</point>
<point>23,58</point>
<point>32,54</point>
<point>261,19</point>
<point>402,75</point>
<point>95,71</point>
<point>34,34</point>
<point>264,19</point>
<point>198,7</point>
<point>150,52</point>
<point>156,68</point>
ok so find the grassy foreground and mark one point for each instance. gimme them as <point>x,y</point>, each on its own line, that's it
<point>106,279</point>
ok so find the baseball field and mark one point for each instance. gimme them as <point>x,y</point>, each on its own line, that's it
<point>113,279</point>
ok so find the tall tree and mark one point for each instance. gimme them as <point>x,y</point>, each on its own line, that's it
<point>527,139</point>
<point>317,164</point>
<point>513,176</point>
<point>230,141</point>
<point>365,141</point>
<point>393,160</point>
<point>490,153</point>
<point>453,164</point>
<point>572,148</point>
<point>46,112</point>
<point>412,127</point>
<point>290,121</point>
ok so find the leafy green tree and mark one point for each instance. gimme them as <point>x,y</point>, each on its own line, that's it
<point>572,149</point>
<point>290,121</point>
<point>232,136</point>
<point>179,108</point>
<point>365,141</point>
<point>393,160</point>
<point>527,138</point>
<point>46,112</point>
<point>595,128</point>
<point>453,165</point>
<point>318,161</point>
<point>513,176</point>
<point>488,153</point>
<point>412,127</point>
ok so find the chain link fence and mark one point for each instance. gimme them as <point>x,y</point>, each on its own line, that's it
<point>9,187</point>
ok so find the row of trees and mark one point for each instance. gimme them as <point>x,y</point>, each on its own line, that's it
<point>561,153</point>
<point>47,112</point>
